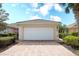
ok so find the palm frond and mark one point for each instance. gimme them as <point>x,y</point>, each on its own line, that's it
<point>70,5</point>
<point>62,4</point>
<point>0,5</point>
<point>67,10</point>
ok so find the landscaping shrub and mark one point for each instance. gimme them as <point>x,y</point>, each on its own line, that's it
<point>11,34</point>
<point>74,33</point>
<point>6,40</point>
<point>8,34</point>
<point>3,35</point>
<point>62,35</point>
<point>71,40</point>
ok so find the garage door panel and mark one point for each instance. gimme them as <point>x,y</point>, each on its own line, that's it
<point>38,34</point>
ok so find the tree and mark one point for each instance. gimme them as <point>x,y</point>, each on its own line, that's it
<point>60,27</point>
<point>72,7</point>
<point>3,17</point>
<point>63,28</point>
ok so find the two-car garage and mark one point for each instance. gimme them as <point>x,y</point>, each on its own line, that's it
<point>38,33</point>
<point>38,30</point>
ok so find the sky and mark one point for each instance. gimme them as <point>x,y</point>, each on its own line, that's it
<point>29,11</point>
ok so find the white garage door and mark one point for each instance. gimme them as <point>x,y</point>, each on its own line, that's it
<point>38,34</point>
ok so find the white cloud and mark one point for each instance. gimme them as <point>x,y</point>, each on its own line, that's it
<point>35,17</point>
<point>57,7</point>
<point>55,18</point>
<point>45,9</point>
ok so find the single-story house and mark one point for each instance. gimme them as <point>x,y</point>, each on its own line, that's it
<point>37,29</point>
<point>73,27</point>
<point>9,29</point>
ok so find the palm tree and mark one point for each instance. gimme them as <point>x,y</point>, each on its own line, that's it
<point>72,7</point>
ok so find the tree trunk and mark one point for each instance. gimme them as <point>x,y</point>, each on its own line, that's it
<point>78,25</point>
<point>76,13</point>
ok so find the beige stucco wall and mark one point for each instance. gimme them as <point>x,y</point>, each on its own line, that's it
<point>21,33</point>
<point>73,29</point>
<point>38,24</point>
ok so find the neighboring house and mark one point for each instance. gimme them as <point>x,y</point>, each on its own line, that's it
<point>73,27</point>
<point>12,30</point>
<point>38,29</point>
<point>9,30</point>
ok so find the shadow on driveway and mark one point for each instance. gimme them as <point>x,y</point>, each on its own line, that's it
<point>38,42</point>
<point>4,48</point>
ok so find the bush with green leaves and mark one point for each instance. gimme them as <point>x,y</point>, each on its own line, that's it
<point>8,34</point>
<point>71,40</point>
<point>62,35</point>
<point>11,34</point>
<point>6,40</point>
<point>74,33</point>
<point>3,35</point>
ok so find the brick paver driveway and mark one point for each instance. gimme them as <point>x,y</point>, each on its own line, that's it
<point>37,48</point>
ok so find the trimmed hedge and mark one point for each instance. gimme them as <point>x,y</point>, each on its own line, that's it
<point>3,35</point>
<point>6,40</point>
<point>71,40</point>
<point>9,34</point>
